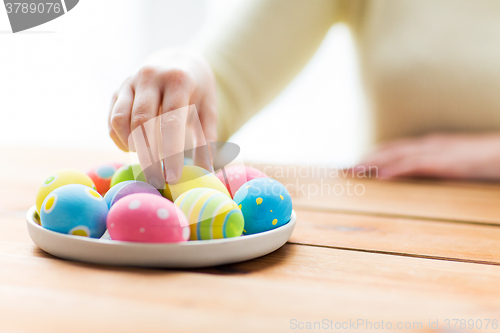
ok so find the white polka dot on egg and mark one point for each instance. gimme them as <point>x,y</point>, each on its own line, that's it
<point>185,233</point>
<point>162,213</point>
<point>141,230</point>
<point>134,204</point>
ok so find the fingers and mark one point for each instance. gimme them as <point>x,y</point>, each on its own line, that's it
<point>173,132</point>
<point>111,131</point>
<point>144,126</point>
<point>437,156</point>
<point>204,125</point>
<point>150,116</point>
<point>117,140</point>
<point>391,152</point>
<point>178,89</point>
<point>416,166</point>
<point>381,162</point>
<point>119,119</point>
<point>420,157</point>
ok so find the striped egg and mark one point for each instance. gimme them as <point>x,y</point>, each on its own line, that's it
<point>128,187</point>
<point>147,218</point>
<point>193,177</point>
<point>102,174</point>
<point>58,179</point>
<point>265,204</point>
<point>211,214</point>
<point>237,175</point>
<point>75,209</point>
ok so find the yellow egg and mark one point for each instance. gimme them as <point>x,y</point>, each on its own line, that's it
<point>193,177</point>
<point>58,179</point>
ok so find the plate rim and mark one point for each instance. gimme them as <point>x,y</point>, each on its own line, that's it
<point>191,243</point>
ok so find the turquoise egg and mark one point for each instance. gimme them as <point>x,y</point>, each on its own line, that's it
<point>75,210</point>
<point>265,204</point>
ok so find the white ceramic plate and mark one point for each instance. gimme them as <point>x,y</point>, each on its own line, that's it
<point>184,255</point>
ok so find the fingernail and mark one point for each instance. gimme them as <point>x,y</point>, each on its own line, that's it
<point>170,175</point>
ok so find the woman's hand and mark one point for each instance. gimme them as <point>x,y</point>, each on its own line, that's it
<point>439,155</point>
<point>167,84</point>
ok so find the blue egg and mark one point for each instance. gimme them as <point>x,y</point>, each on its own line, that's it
<point>125,188</point>
<point>75,210</point>
<point>265,204</point>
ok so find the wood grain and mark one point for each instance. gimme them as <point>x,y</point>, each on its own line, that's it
<point>377,261</point>
<point>263,295</point>
<point>300,282</point>
<point>399,236</point>
<point>328,190</point>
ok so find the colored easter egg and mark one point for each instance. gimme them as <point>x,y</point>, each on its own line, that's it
<point>128,187</point>
<point>36,218</point>
<point>127,172</point>
<point>193,177</point>
<point>101,176</point>
<point>75,209</point>
<point>211,214</point>
<point>235,176</point>
<point>149,218</point>
<point>58,179</point>
<point>265,204</point>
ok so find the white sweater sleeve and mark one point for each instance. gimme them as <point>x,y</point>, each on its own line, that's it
<point>263,48</point>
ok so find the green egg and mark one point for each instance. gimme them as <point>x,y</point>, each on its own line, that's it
<point>128,172</point>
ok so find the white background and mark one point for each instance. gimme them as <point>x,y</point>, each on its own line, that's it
<point>56,81</point>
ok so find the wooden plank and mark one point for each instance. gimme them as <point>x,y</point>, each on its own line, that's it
<point>306,283</point>
<point>424,238</point>
<point>299,282</point>
<point>397,236</point>
<point>315,188</point>
<point>296,282</point>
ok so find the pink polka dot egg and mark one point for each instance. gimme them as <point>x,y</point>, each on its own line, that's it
<point>147,218</point>
<point>233,177</point>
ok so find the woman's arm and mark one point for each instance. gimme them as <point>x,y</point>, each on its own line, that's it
<point>253,58</point>
<point>263,48</point>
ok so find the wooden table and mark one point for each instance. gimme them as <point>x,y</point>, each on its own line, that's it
<point>404,253</point>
